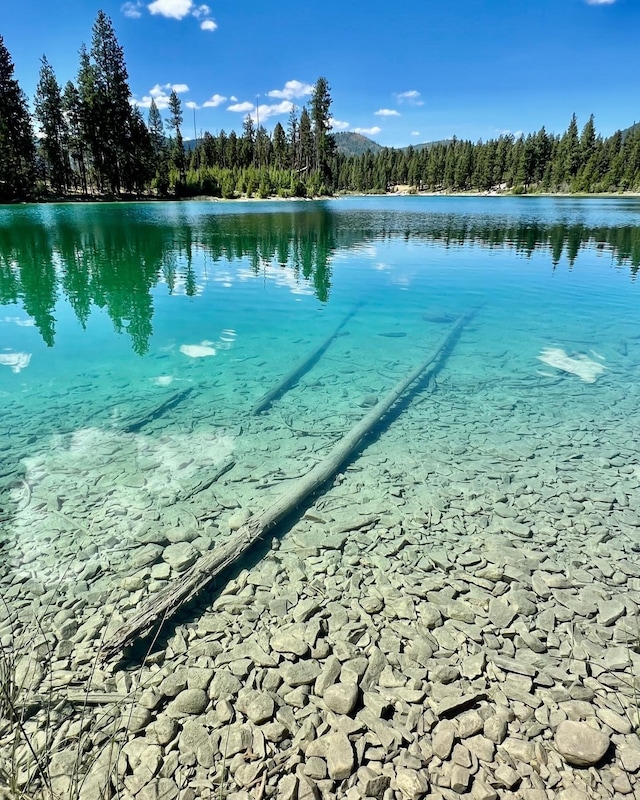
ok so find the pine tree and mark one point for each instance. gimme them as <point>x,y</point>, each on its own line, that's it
<point>175,121</point>
<point>571,147</point>
<point>50,115</point>
<point>324,143</point>
<point>138,163</point>
<point>293,139</point>
<point>306,143</point>
<point>279,147</point>
<point>73,115</point>
<point>89,122</point>
<point>17,150</point>
<point>113,107</point>
<point>159,149</point>
<point>247,142</point>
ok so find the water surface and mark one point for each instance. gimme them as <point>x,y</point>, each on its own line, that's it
<point>111,310</point>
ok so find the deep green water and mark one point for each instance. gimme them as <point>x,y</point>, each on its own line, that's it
<point>109,310</point>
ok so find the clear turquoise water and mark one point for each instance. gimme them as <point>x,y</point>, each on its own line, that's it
<point>109,310</point>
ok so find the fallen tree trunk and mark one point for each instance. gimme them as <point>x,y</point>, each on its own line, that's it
<point>289,380</point>
<point>180,592</point>
<point>182,497</point>
<point>134,424</point>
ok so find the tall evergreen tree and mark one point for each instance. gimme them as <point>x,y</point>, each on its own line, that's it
<point>324,143</point>
<point>279,147</point>
<point>49,112</point>
<point>247,142</point>
<point>158,148</point>
<point>293,138</point>
<point>177,151</point>
<point>89,122</point>
<point>571,147</point>
<point>17,150</point>
<point>306,142</point>
<point>77,148</point>
<point>113,97</point>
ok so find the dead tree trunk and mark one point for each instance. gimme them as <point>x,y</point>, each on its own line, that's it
<point>299,370</point>
<point>166,603</point>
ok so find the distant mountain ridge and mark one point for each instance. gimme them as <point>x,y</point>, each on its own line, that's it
<point>349,143</point>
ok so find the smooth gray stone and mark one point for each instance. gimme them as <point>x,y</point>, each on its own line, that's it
<point>286,642</point>
<point>581,745</point>
<point>341,698</point>
<point>180,555</point>
<point>190,701</point>
<point>495,729</point>
<point>261,708</point>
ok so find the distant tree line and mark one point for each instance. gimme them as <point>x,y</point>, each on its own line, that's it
<point>93,140</point>
<point>575,161</point>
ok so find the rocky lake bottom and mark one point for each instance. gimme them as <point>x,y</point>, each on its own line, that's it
<point>454,616</point>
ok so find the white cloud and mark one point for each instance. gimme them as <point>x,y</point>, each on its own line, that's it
<point>131,10</point>
<point>412,97</point>
<point>241,107</point>
<point>292,90</point>
<point>215,100</point>
<point>233,98</point>
<point>368,131</point>
<point>174,9</point>
<point>201,11</point>
<point>415,133</point>
<point>387,112</point>
<point>337,124</point>
<point>190,104</point>
<point>600,2</point>
<point>265,110</point>
<point>161,95</point>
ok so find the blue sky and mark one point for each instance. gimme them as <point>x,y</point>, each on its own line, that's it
<point>400,72</point>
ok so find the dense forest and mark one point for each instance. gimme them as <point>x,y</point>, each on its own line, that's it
<point>88,139</point>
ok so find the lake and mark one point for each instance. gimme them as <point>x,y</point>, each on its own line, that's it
<point>137,339</point>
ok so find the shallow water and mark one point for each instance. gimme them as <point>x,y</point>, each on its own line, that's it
<point>109,311</point>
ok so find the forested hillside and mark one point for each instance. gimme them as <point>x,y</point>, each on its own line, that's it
<point>92,140</point>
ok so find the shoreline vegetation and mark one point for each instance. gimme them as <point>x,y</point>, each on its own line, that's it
<point>92,142</point>
<point>392,192</point>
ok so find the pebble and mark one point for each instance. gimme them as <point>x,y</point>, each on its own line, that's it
<point>341,697</point>
<point>581,745</point>
<point>442,739</point>
<point>411,784</point>
<point>190,701</point>
<point>180,555</point>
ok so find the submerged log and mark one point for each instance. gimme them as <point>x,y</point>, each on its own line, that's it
<point>180,592</point>
<point>304,366</point>
<point>187,494</point>
<point>134,424</point>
